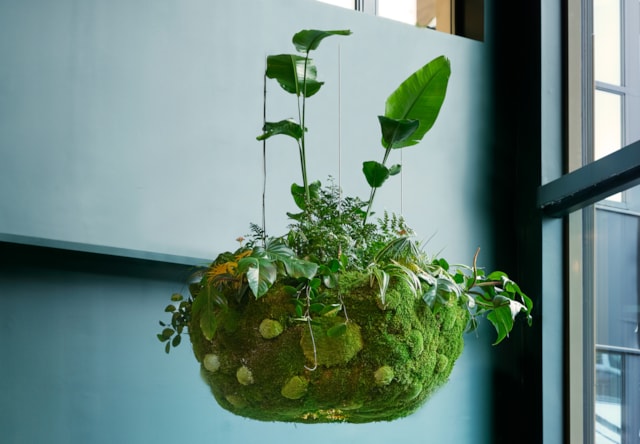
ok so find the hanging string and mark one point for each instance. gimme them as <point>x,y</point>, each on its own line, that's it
<point>264,157</point>
<point>401,184</point>
<point>344,308</point>
<point>339,126</point>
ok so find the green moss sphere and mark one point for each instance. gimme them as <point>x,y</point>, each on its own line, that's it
<point>378,363</point>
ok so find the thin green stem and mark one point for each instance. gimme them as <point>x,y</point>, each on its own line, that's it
<point>303,153</point>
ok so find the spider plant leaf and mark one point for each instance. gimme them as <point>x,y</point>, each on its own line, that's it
<point>295,74</point>
<point>286,127</point>
<point>420,97</point>
<point>395,132</point>
<point>309,39</point>
<point>382,278</point>
<point>375,173</point>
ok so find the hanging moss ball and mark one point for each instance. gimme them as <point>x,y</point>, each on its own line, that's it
<point>378,362</point>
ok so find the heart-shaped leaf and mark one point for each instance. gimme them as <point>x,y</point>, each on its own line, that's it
<point>299,194</point>
<point>396,132</point>
<point>375,173</point>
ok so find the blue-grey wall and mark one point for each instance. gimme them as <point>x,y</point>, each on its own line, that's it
<point>130,125</point>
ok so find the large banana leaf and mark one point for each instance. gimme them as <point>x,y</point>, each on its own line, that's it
<point>309,39</point>
<point>420,97</point>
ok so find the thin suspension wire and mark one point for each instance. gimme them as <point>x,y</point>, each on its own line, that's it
<point>339,125</point>
<point>344,308</point>
<point>401,185</point>
<point>264,156</point>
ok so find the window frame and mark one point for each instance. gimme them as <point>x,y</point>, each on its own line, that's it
<point>571,198</point>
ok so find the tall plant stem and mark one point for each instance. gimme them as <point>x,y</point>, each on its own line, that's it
<point>301,116</point>
<point>264,160</point>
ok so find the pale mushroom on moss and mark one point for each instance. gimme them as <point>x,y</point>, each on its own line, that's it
<point>211,362</point>
<point>270,328</point>
<point>244,375</point>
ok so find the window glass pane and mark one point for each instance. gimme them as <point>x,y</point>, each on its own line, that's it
<point>344,3</point>
<point>608,406</point>
<point>608,123</point>
<point>617,346</point>
<point>608,128</point>
<point>607,32</point>
<point>400,10</point>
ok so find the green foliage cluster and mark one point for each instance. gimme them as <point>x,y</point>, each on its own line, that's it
<point>180,309</point>
<point>333,226</point>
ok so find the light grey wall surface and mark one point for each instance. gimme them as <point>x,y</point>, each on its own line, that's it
<point>131,125</point>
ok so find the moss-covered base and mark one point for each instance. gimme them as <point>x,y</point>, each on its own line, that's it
<point>382,365</point>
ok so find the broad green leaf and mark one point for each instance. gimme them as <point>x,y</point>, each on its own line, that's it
<point>315,283</point>
<point>330,280</point>
<point>331,310</point>
<point>395,132</point>
<point>337,330</point>
<point>169,308</point>
<point>395,169</point>
<point>503,322</point>
<point>176,297</point>
<point>334,265</point>
<point>496,276</point>
<point>205,306</point>
<point>420,97</point>
<point>289,70</point>
<point>299,195</point>
<point>375,173</point>
<point>298,268</point>
<point>309,39</point>
<point>276,249</point>
<point>261,273</point>
<point>284,127</point>
<point>176,341</point>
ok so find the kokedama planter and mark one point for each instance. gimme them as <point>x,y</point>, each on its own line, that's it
<point>380,364</point>
<point>341,319</point>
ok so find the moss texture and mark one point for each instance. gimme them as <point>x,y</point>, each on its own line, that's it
<point>384,365</point>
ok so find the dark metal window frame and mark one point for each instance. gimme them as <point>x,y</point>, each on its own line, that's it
<point>580,190</point>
